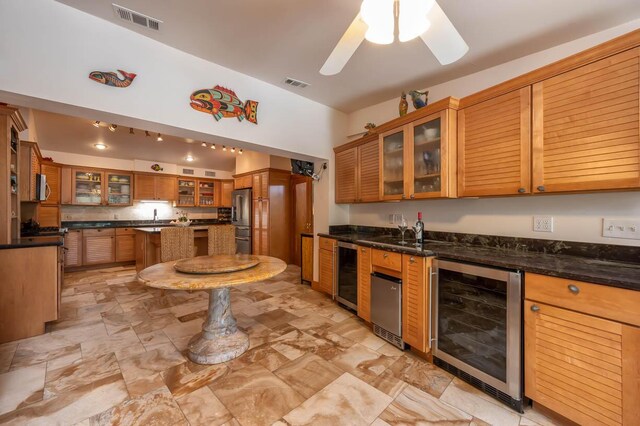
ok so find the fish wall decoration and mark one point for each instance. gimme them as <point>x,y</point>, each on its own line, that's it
<point>112,79</point>
<point>224,103</point>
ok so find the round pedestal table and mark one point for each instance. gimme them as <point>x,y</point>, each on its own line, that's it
<point>220,339</point>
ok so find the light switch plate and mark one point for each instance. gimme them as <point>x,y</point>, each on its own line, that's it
<point>621,228</point>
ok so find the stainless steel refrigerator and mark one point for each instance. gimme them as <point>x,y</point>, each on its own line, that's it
<point>241,218</point>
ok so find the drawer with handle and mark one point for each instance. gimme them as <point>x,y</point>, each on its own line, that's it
<point>100,232</point>
<point>600,300</point>
<point>327,243</point>
<point>386,259</point>
<point>125,231</point>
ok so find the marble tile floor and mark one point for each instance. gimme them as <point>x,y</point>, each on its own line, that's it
<point>117,357</point>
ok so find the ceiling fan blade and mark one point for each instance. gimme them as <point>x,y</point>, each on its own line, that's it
<point>345,48</point>
<point>442,37</point>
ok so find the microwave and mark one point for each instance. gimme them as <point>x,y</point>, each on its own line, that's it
<point>42,189</point>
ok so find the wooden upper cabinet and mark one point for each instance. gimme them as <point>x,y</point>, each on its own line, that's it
<point>29,168</point>
<point>392,164</point>
<point>494,143</point>
<point>119,188</point>
<point>346,180</point>
<point>206,192</point>
<point>586,127</point>
<point>52,172</point>
<point>260,185</point>
<point>66,196</point>
<point>243,182</point>
<point>368,172</point>
<point>227,189</point>
<point>154,187</point>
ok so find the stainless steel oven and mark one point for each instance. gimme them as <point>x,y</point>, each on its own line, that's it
<point>347,275</point>
<point>477,327</point>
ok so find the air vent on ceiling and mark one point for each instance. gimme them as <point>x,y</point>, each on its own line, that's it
<point>295,83</point>
<point>187,171</point>
<point>209,173</point>
<point>136,17</point>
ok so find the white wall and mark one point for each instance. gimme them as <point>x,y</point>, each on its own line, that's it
<point>53,64</point>
<point>577,217</point>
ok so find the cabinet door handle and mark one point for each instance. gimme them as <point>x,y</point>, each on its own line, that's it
<point>521,190</point>
<point>363,250</point>
<point>573,288</point>
<point>412,260</point>
<point>541,188</point>
<point>384,256</point>
<point>535,308</point>
<point>404,197</point>
<point>412,196</point>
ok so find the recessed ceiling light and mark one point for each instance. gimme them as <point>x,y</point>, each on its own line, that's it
<point>96,123</point>
<point>159,138</point>
<point>112,127</point>
<point>213,146</point>
<point>204,144</point>
<point>100,146</point>
<point>188,158</point>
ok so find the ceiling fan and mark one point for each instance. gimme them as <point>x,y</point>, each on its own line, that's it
<point>416,18</point>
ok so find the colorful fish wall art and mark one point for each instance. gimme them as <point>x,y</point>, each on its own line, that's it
<point>224,103</point>
<point>112,79</point>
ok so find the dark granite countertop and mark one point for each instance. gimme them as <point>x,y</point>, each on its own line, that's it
<point>517,254</point>
<point>132,223</point>
<point>156,229</point>
<point>26,242</point>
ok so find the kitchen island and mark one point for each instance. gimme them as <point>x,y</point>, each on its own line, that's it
<point>148,244</point>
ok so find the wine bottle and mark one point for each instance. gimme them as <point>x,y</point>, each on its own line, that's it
<point>419,229</point>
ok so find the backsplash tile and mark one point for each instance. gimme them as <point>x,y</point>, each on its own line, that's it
<point>140,211</point>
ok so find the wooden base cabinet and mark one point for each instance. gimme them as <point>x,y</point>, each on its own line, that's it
<point>73,246</point>
<point>364,283</point>
<point>99,246</point>
<point>583,366</point>
<point>125,244</point>
<point>415,301</point>
<point>326,281</point>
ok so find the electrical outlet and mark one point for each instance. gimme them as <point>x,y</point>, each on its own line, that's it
<point>629,229</point>
<point>392,216</point>
<point>115,216</point>
<point>67,217</point>
<point>543,223</point>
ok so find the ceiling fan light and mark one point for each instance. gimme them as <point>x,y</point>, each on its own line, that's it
<point>412,19</point>
<point>378,15</point>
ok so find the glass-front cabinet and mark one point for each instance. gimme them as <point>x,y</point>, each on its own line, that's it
<point>186,192</point>
<point>417,159</point>
<point>392,147</point>
<point>119,188</point>
<point>87,187</point>
<point>427,151</point>
<point>205,192</point>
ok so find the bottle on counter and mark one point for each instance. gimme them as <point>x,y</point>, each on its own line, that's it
<point>419,228</point>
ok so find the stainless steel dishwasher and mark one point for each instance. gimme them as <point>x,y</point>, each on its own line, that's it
<point>386,308</point>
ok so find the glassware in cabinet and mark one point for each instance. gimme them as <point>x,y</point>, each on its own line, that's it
<point>186,192</point>
<point>119,189</point>
<point>87,187</point>
<point>205,193</point>
<point>393,165</point>
<point>427,157</point>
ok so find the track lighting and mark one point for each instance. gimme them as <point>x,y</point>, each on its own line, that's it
<point>240,152</point>
<point>159,138</point>
<point>146,133</point>
<point>233,149</point>
<point>224,148</point>
<point>131,131</point>
<point>213,146</point>
<point>96,123</point>
<point>113,127</point>
<point>204,144</point>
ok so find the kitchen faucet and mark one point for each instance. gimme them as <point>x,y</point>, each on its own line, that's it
<point>155,215</point>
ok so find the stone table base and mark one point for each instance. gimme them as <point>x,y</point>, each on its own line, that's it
<point>220,339</point>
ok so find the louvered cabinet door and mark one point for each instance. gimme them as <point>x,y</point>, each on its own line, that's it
<point>325,282</point>
<point>414,308</point>
<point>73,245</point>
<point>585,127</point>
<point>346,176</point>
<point>364,283</point>
<point>125,248</point>
<point>369,172</point>
<point>99,250</point>
<point>582,367</point>
<point>53,181</point>
<point>494,146</point>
